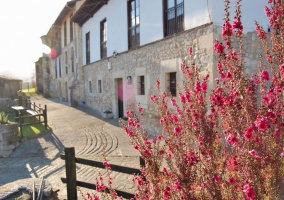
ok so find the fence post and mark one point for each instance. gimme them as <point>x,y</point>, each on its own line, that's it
<point>45,116</point>
<point>142,162</point>
<point>20,122</point>
<point>70,167</point>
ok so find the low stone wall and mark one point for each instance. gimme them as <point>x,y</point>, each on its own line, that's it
<point>9,139</point>
<point>4,102</point>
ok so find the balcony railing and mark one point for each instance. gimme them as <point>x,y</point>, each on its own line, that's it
<point>175,19</point>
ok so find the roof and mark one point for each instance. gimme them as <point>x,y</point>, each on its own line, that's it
<point>65,11</point>
<point>87,10</point>
<point>57,23</point>
<point>9,78</point>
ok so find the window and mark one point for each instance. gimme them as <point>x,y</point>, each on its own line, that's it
<point>173,16</point>
<point>88,48</point>
<point>55,68</point>
<point>71,29</point>
<point>72,60</point>
<point>65,33</point>
<point>103,29</point>
<point>141,85</point>
<point>66,62</point>
<point>100,86</point>
<point>171,83</point>
<point>59,65</point>
<point>90,87</point>
<point>133,24</point>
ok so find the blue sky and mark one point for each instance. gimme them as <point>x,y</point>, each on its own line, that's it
<point>22,24</point>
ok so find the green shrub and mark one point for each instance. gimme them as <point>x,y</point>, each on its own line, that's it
<point>3,118</point>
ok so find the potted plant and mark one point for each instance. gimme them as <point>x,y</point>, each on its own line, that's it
<point>9,138</point>
<point>107,114</point>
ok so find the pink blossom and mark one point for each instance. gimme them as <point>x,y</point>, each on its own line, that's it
<point>173,101</point>
<point>140,109</point>
<point>254,154</point>
<point>190,51</point>
<point>277,133</point>
<point>249,192</point>
<point>154,98</point>
<point>166,192</point>
<point>231,180</point>
<point>174,118</point>
<point>267,11</point>
<point>237,24</point>
<point>203,87</point>
<point>264,75</point>
<point>107,165</point>
<point>182,98</point>
<point>177,185</point>
<point>232,139</point>
<point>219,47</point>
<point>229,75</point>
<point>158,84</point>
<point>248,135</point>
<point>177,130</point>
<point>137,125</point>
<point>147,152</point>
<point>261,124</point>
<point>227,29</point>
<point>216,178</point>
<point>282,154</point>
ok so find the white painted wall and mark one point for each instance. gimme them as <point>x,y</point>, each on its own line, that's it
<point>151,21</point>
<point>196,14</point>
<point>204,11</point>
<point>115,13</point>
<point>251,10</point>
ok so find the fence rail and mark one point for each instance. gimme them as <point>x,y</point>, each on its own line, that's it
<point>71,180</point>
<point>37,111</point>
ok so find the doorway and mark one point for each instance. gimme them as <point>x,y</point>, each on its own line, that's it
<point>119,89</point>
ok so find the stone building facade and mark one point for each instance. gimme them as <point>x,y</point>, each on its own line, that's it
<point>63,64</point>
<point>113,72</point>
<point>155,61</point>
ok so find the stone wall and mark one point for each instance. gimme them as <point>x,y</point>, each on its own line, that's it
<point>9,139</point>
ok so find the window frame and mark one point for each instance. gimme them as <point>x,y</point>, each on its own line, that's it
<point>59,65</point>
<point>88,48</point>
<point>100,86</point>
<point>141,85</point>
<point>103,38</point>
<point>66,62</point>
<point>56,75</point>
<point>133,39</point>
<point>176,24</point>
<point>171,83</point>
<point>72,59</point>
<point>90,87</point>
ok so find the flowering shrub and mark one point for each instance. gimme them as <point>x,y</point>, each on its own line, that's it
<point>226,144</point>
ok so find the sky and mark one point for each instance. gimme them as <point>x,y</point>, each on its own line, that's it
<point>22,23</point>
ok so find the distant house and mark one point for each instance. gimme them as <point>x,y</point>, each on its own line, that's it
<point>9,87</point>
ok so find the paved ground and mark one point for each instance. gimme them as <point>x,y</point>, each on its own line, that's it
<point>78,127</point>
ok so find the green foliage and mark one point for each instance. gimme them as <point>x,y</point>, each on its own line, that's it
<point>3,118</point>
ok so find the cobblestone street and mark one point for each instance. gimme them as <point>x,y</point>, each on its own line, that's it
<point>77,127</point>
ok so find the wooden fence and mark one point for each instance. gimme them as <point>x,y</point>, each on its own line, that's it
<point>34,112</point>
<point>72,183</point>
